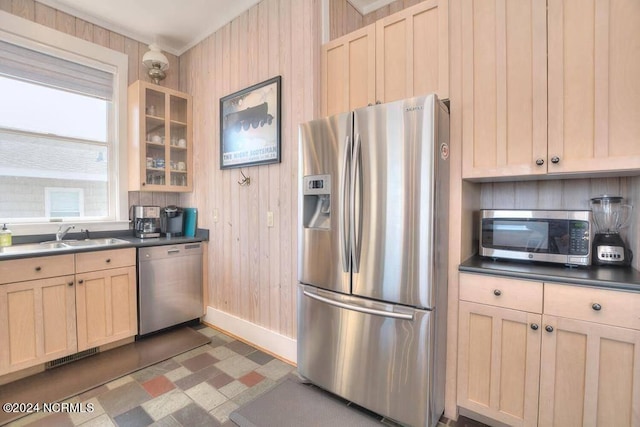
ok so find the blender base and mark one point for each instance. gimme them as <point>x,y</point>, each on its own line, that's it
<point>609,249</point>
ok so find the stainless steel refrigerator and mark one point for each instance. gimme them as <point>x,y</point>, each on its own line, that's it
<point>373,230</point>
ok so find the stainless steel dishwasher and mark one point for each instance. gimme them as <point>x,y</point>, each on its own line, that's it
<point>169,286</point>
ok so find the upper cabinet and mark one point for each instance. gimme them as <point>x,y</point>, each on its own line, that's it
<point>160,139</point>
<point>504,87</point>
<point>594,85</point>
<point>348,71</point>
<point>546,93</point>
<point>400,56</point>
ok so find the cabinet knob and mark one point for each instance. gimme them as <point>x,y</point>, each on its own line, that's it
<point>70,283</point>
<point>369,104</point>
<point>596,306</point>
<point>108,260</point>
<point>497,292</point>
<point>539,162</point>
<point>38,268</point>
<point>555,160</point>
<point>378,102</point>
<point>80,282</point>
<point>534,326</point>
<point>144,183</point>
<point>548,328</point>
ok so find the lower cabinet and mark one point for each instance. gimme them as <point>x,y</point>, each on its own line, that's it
<point>106,306</point>
<point>575,363</point>
<point>106,297</point>
<point>51,307</point>
<point>499,363</point>
<point>37,322</point>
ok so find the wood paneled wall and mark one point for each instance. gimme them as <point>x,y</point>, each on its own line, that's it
<point>253,267</point>
<point>53,18</point>
<point>344,18</point>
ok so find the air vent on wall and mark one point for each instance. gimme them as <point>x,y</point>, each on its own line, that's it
<point>71,358</point>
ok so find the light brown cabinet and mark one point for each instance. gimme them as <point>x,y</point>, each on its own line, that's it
<point>403,55</point>
<point>106,297</point>
<point>348,71</point>
<point>583,351</point>
<point>594,89</point>
<point>590,363</point>
<point>55,306</point>
<point>160,139</point>
<point>37,321</point>
<point>499,349</point>
<point>546,93</point>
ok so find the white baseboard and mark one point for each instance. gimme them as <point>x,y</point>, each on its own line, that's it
<point>280,345</point>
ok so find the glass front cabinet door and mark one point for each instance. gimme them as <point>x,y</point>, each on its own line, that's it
<point>160,139</point>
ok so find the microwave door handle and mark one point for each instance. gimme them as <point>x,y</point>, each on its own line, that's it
<point>345,228</point>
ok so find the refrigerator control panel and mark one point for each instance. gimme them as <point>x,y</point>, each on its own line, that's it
<point>317,184</point>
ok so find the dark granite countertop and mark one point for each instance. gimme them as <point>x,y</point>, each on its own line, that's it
<point>613,277</point>
<point>128,235</point>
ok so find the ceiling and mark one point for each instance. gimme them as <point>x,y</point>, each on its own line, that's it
<point>175,26</point>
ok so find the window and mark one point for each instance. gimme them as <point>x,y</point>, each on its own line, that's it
<point>62,128</point>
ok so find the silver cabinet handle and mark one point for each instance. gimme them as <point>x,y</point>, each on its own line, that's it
<point>534,326</point>
<point>173,251</point>
<point>539,162</point>
<point>548,328</point>
<point>497,292</point>
<point>358,308</point>
<point>596,307</point>
<point>555,160</point>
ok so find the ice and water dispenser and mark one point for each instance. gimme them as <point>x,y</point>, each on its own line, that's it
<point>317,202</point>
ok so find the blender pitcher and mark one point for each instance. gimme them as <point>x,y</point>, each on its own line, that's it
<point>610,214</point>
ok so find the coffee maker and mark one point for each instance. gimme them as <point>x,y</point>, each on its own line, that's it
<point>171,221</point>
<point>146,221</point>
<point>610,215</point>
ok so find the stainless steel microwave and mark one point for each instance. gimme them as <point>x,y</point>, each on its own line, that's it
<point>558,236</point>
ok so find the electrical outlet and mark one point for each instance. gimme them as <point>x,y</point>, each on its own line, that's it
<point>269,219</point>
<point>215,215</point>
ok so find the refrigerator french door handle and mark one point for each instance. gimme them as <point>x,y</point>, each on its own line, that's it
<point>345,213</point>
<point>356,203</point>
<point>367,310</point>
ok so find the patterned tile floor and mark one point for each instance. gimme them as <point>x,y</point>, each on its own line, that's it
<point>198,388</point>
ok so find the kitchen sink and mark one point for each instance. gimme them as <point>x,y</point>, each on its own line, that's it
<point>52,246</point>
<point>108,241</point>
<point>33,247</point>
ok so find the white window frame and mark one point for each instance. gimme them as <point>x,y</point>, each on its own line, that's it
<point>30,34</point>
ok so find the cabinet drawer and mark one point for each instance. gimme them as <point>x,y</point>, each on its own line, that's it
<point>101,260</point>
<point>616,308</point>
<point>502,292</point>
<point>20,270</point>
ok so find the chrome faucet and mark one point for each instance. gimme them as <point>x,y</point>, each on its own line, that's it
<point>60,233</point>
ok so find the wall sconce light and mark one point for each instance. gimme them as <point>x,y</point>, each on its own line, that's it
<point>156,63</point>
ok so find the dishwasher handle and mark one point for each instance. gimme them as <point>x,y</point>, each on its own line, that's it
<point>155,253</point>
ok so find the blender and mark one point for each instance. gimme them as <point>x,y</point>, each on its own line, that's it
<point>610,215</point>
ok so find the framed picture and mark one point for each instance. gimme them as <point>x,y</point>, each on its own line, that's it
<point>250,126</point>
